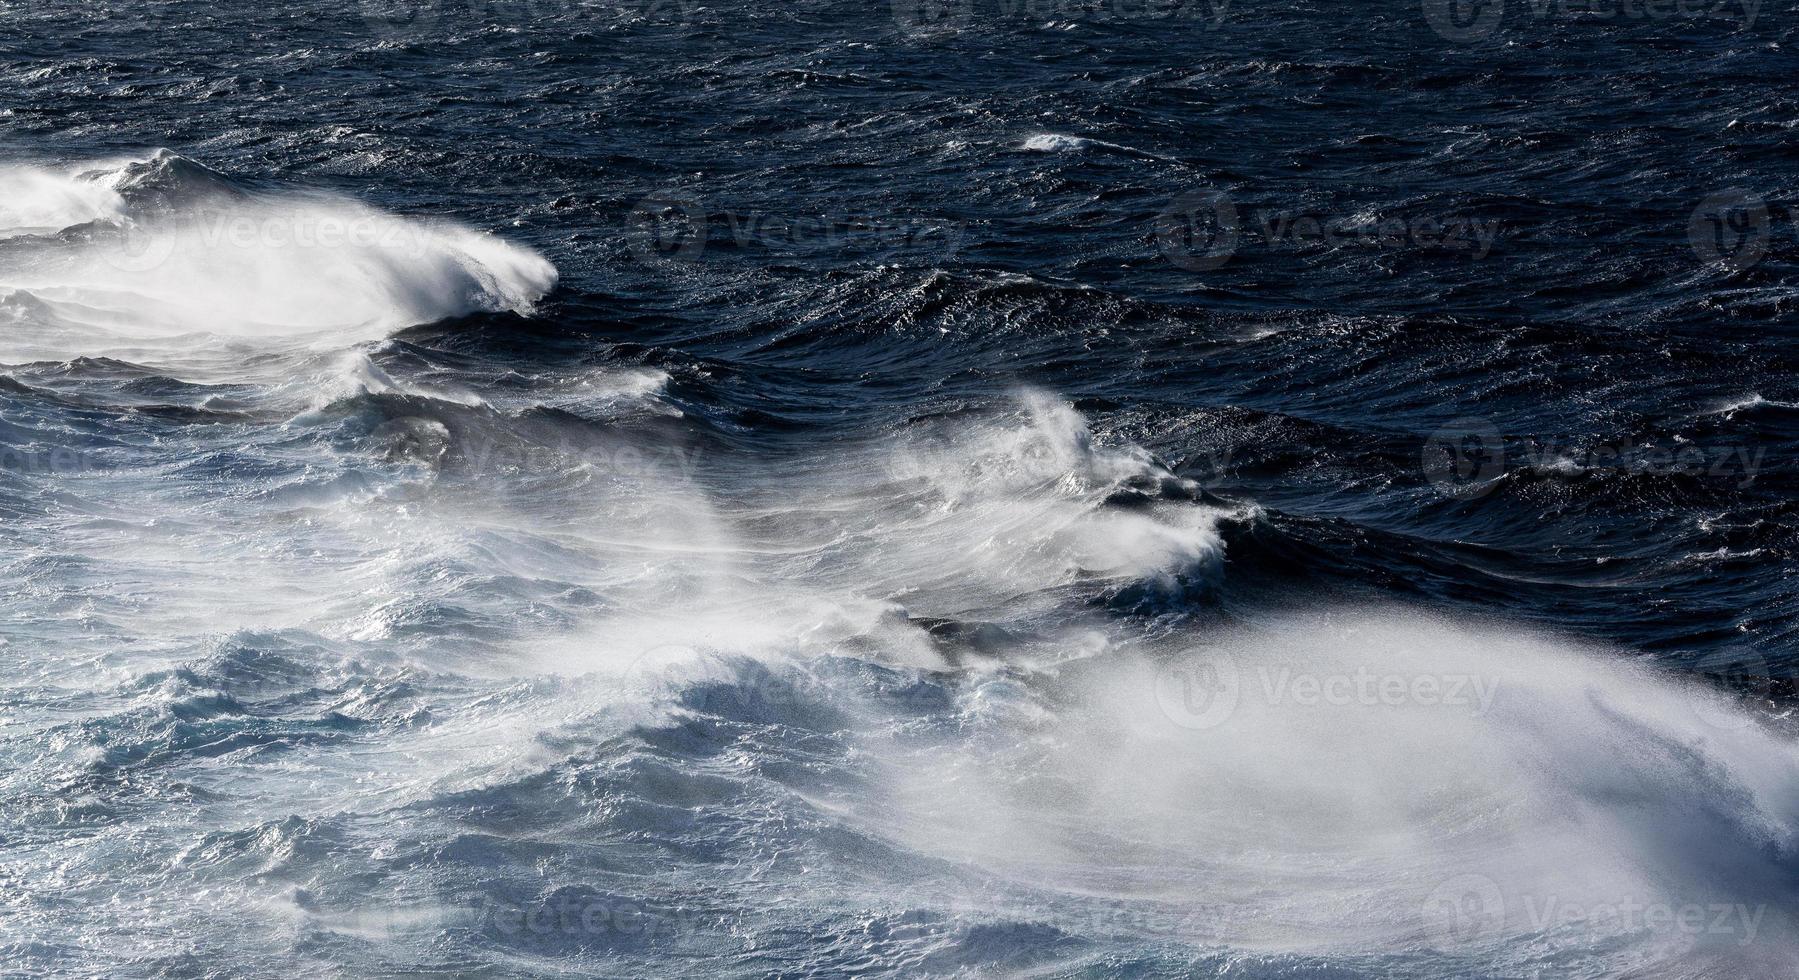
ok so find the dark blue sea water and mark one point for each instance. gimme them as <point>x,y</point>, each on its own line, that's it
<point>1055,488</point>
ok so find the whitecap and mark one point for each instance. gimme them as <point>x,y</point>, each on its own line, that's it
<point>154,251</point>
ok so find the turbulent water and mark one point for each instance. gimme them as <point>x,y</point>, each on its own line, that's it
<point>838,489</point>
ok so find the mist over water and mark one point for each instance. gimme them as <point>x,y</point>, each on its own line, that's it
<point>850,491</point>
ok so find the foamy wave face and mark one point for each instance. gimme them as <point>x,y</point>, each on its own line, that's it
<point>153,249</point>
<point>1369,786</point>
<point>981,525</point>
<point>998,510</point>
<point>750,660</point>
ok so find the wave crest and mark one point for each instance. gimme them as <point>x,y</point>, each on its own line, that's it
<point>163,247</point>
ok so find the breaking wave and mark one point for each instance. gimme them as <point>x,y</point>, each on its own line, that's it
<point>136,253</point>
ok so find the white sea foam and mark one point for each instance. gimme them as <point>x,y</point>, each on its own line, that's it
<point>1753,400</point>
<point>143,252</point>
<point>1367,783</point>
<point>1065,143</point>
<point>1385,793</point>
<point>1053,143</point>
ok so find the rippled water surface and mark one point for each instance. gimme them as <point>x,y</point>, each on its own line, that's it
<point>827,489</point>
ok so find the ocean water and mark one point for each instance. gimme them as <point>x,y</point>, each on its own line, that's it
<point>973,488</point>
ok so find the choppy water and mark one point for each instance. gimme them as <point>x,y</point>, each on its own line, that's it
<point>828,489</point>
